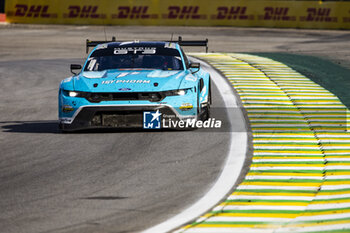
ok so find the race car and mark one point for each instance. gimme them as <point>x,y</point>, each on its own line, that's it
<point>142,84</point>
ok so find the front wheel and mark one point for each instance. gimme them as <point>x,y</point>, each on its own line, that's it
<point>205,111</point>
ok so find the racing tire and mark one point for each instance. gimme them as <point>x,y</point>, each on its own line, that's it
<point>206,111</point>
<point>62,130</point>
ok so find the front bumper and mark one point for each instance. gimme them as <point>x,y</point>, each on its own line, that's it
<point>116,116</point>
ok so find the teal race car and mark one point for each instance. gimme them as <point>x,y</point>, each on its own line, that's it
<point>135,84</point>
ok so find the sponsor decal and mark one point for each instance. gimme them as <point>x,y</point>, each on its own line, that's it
<point>143,50</point>
<point>124,89</point>
<point>67,108</point>
<point>151,120</point>
<point>318,15</point>
<point>133,12</point>
<point>232,13</point>
<point>184,12</point>
<point>186,106</point>
<point>86,11</point>
<point>32,11</point>
<point>277,14</point>
<point>125,81</point>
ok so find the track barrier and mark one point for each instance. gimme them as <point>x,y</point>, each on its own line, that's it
<point>246,13</point>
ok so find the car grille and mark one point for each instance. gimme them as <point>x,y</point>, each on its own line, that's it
<point>126,118</point>
<point>150,96</point>
<point>117,119</point>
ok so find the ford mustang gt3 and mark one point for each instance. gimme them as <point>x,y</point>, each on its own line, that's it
<point>142,84</point>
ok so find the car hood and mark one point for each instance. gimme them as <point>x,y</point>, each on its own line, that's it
<point>133,81</point>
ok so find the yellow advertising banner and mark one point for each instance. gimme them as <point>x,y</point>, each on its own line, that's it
<point>257,13</point>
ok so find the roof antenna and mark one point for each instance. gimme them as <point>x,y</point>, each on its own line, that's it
<point>171,39</point>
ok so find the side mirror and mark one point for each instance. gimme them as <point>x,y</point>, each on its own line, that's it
<point>75,67</point>
<point>195,66</point>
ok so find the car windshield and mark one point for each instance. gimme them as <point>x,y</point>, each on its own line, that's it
<point>134,58</point>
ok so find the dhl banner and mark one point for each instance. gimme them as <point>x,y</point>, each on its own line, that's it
<point>258,13</point>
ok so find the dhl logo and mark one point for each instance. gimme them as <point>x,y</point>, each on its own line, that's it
<point>233,12</point>
<point>318,15</point>
<point>277,14</point>
<point>76,11</point>
<point>183,12</point>
<point>35,11</point>
<point>133,12</point>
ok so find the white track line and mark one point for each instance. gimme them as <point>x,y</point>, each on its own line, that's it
<point>232,168</point>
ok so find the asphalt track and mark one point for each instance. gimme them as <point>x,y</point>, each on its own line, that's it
<point>109,181</point>
<point>120,181</point>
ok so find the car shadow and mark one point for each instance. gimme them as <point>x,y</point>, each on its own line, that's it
<point>30,127</point>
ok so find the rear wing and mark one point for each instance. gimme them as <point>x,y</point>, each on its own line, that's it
<point>202,43</point>
<point>90,43</point>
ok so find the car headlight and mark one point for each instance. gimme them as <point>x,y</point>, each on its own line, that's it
<point>176,92</point>
<point>74,93</point>
<point>180,92</point>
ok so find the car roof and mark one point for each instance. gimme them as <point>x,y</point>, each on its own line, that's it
<point>160,44</point>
